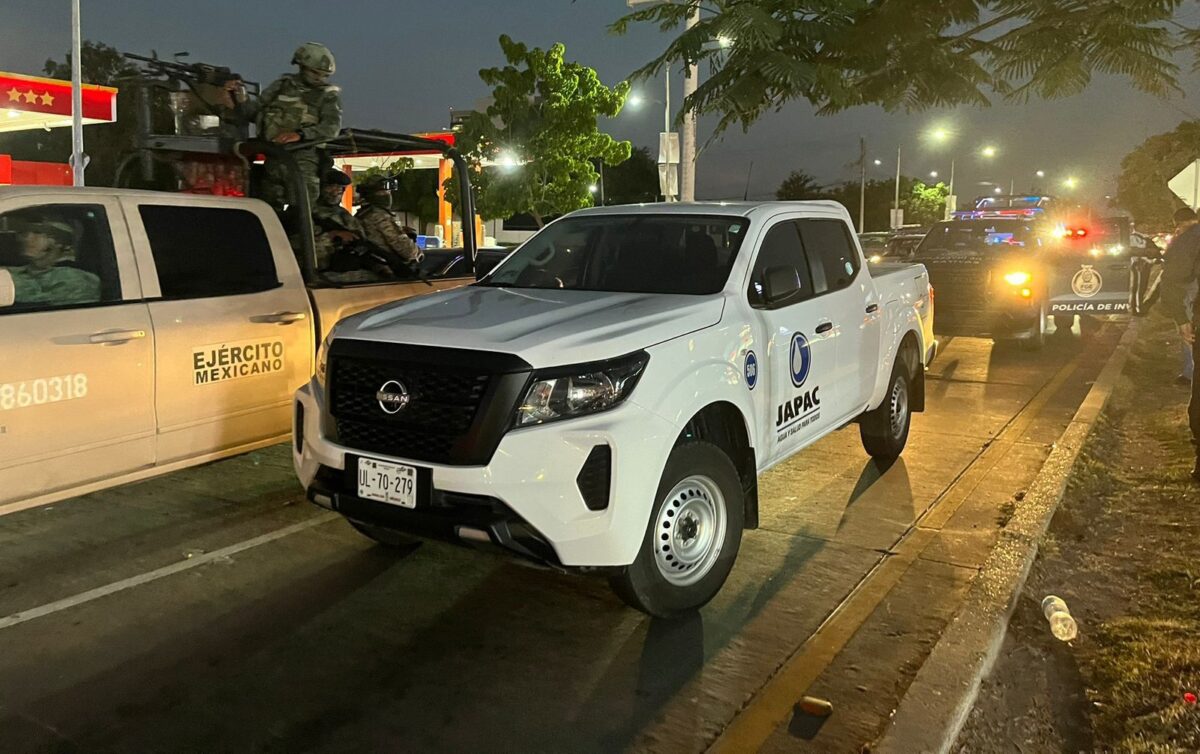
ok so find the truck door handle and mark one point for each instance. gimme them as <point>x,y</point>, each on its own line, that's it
<point>117,336</point>
<point>282,318</point>
<point>824,327</point>
<point>872,308</point>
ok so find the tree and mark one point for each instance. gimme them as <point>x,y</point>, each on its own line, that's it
<point>104,143</point>
<point>838,54</point>
<point>540,133</point>
<point>634,180</point>
<point>924,204</point>
<point>1142,185</point>
<point>800,185</point>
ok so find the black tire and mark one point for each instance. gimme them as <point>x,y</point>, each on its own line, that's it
<point>884,431</point>
<point>642,584</point>
<point>386,537</point>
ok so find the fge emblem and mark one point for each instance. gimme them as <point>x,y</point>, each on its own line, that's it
<point>800,359</point>
<point>751,369</point>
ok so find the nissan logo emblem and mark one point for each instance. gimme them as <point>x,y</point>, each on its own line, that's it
<point>392,397</point>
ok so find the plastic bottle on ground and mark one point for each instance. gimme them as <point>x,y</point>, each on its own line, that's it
<point>1062,625</point>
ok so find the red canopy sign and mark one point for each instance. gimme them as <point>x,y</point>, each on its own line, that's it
<point>34,101</point>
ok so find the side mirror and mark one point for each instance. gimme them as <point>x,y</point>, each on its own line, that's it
<point>8,289</point>
<point>780,285</point>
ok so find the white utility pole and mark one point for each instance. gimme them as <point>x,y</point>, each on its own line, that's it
<point>78,157</point>
<point>687,146</point>
<point>862,187</point>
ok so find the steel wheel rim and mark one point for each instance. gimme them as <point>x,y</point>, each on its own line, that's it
<point>690,531</point>
<point>899,402</point>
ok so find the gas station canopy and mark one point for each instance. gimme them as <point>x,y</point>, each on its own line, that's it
<point>28,102</point>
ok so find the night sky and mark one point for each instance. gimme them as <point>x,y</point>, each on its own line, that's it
<point>402,66</point>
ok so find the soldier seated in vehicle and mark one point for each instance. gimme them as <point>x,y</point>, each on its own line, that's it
<point>382,229</point>
<point>343,245</point>
<point>47,247</point>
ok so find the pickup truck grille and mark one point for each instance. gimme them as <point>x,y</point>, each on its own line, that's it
<point>456,409</point>
<point>959,287</point>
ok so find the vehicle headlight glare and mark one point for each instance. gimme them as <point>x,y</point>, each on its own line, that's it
<point>1017,278</point>
<point>565,393</point>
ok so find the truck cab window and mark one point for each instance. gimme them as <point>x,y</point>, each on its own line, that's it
<point>60,256</point>
<point>831,252</point>
<point>203,252</point>
<point>781,248</point>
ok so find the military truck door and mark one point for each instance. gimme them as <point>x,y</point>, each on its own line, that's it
<point>231,320</point>
<point>77,371</point>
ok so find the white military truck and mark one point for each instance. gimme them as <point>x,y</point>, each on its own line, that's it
<point>167,330</point>
<point>607,396</point>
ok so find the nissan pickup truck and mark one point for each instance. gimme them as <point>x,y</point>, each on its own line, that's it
<point>606,398</point>
<point>143,332</point>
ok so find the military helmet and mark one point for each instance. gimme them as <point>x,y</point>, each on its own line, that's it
<point>335,177</point>
<point>376,184</point>
<point>315,56</point>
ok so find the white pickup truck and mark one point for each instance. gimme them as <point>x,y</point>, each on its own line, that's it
<point>607,396</point>
<point>154,331</point>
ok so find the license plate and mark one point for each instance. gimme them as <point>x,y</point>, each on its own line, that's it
<point>385,482</point>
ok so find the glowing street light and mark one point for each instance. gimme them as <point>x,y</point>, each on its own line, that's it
<point>1040,174</point>
<point>933,174</point>
<point>635,100</point>
<point>724,41</point>
<point>878,163</point>
<point>1071,182</point>
<point>593,188</point>
<point>939,135</point>
<point>999,190</point>
<point>506,160</point>
<point>989,151</point>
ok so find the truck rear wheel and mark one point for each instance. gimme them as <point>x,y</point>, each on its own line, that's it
<point>1037,340</point>
<point>693,536</point>
<point>884,431</point>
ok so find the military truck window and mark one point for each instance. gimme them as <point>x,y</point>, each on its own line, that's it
<point>202,252</point>
<point>780,248</point>
<point>60,257</point>
<point>831,252</point>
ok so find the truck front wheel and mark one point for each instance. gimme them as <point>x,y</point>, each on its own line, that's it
<point>693,536</point>
<point>884,431</point>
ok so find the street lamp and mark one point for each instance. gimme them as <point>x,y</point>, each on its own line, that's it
<point>878,163</point>
<point>1071,183</point>
<point>989,152</point>
<point>1040,174</point>
<point>933,174</point>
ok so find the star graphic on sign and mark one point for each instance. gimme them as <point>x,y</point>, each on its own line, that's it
<point>47,99</point>
<point>14,95</point>
<point>31,96</point>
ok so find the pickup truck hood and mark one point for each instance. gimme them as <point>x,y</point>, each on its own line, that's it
<point>544,327</point>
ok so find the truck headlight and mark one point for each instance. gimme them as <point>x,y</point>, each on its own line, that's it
<point>567,392</point>
<point>323,359</point>
<point>1017,278</point>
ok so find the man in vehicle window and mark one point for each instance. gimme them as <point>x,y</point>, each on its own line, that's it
<point>304,109</point>
<point>380,224</point>
<point>1181,269</point>
<point>44,246</point>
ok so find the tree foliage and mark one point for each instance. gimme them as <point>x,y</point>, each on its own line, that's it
<point>104,143</point>
<point>800,185</point>
<point>924,204</point>
<point>1142,185</point>
<point>544,115</point>
<point>911,54</point>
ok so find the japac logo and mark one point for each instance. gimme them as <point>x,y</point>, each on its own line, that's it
<point>1087,282</point>
<point>800,359</point>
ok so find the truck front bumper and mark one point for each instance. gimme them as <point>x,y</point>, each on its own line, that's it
<point>528,499</point>
<point>1018,320</point>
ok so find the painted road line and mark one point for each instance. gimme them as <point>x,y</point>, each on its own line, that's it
<point>772,705</point>
<point>160,573</point>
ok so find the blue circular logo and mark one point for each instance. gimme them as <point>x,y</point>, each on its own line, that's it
<point>801,359</point>
<point>751,369</point>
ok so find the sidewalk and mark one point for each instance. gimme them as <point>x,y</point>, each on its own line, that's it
<point>1124,552</point>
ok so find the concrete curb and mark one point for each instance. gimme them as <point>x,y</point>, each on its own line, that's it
<point>934,708</point>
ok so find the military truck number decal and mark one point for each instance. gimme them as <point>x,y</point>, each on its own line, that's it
<point>43,390</point>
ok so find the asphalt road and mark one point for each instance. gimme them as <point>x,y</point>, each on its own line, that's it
<point>214,610</point>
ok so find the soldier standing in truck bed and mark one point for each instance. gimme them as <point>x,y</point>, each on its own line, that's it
<point>300,108</point>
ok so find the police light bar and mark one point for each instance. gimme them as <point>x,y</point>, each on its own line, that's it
<point>992,214</point>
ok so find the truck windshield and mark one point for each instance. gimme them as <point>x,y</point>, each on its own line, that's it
<point>981,236</point>
<point>685,254</point>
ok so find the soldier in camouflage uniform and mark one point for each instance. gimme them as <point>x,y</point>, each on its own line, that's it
<point>335,227</point>
<point>380,224</point>
<point>300,108</point>
<point>45,244</point>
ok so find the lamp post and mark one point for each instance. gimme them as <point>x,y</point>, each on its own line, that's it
<point>78,157</point>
